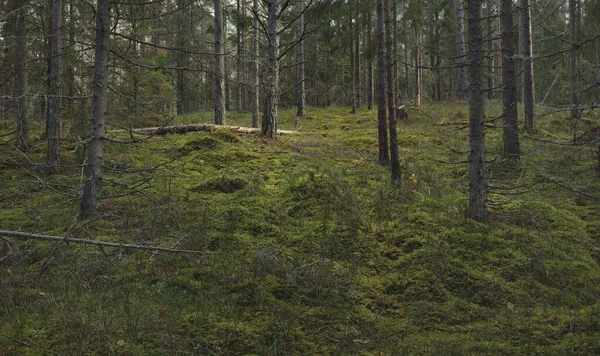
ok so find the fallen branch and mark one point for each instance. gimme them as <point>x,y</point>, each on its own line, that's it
<point>181,129</point>
<point>26,235</point>
<point>562,185</point>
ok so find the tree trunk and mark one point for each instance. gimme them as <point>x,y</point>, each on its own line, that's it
<point>352,58</point>
<point>269,123</point>
<point>54,100</point>
<point>490,48</point>
<point>370,93</point>
<point>70,72</point>
<point>300,87</point>
<point>238,61</point>
<point>93,184</point>
<point>509,89</point>
<point>418,71</point>
<point>256,67</point>
<point>357,57</point>
<point>461,79</point>
<point>244,80</point>
<point>22,141</point>
<point>575,110</point>
<point>384,157</point>
<point>315,77</point>
<point>182,57</point>
<point>527,45</point>
<point>477,179</point>
<point>220,98</point>
<point>391,97</point>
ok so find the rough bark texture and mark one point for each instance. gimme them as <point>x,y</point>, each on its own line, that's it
<point>384,157</point>
<point>54,100</point>
<point>477,179</point>
<point>22,141</point>
<point>93,184</point>
<point>391,97</point>
<point>352,58</point>
<point>300,94</point>
<point>357,58</point>
<point>509,89</point>
<point>461,77</point>
<point>220,99</point>
<point>527,54</point>
<point>370,93</point>
<point>182,58</point>
<point>491,30</point>
<point>418,71</point>
<point>256,67</point>
<point>269,122</point>
<point>575,110</point>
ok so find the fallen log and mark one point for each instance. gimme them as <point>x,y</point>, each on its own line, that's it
<point>26,235</point>
<point>181,129</point>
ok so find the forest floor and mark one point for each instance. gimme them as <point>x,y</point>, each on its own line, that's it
<point>308,247</point>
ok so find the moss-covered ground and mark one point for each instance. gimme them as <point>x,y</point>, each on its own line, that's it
<point>308,247</point>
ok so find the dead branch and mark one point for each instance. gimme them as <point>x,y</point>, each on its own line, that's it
<point>26,235</point>
<point>181,129</point>
<point>562,185</point>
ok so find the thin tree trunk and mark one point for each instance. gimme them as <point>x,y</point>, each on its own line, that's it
<point>22,141</point>
<point>220,95</point>
<point>370,93</point>
<point>460,56</point>
<point>384,157</point>
<point>256,67</point>
<point>93,184</point>
<point>70,72</point>
<point>357,57</point>
<point>238,61</point>
<point>418,71</point>
<point>244,81</point>
<point>269,123</point>
<point>477,179</point>
<point>300,87</point>
<point>391,97</point>
<point>181,57</point>
<point>54,100</point>
<point>509,90</point>
<point>575,111</point>
<point>527,44</point>
<point>352,58</point>
<point>315,77</point>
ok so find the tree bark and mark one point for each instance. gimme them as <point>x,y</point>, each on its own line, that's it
<point>527,55</point>
<point>509,89</point>
<point>22,141</point>
<point>418,71</point>
<point>370,93</point>
<point>384,157</point>
<point>300,93</point>
<point>182,58</point>
<point>54,100</point>
<point>357,57</point>
<point>220,99</point>
<point>460,56</point>
<point>391,97</point>
<point>352,58</point>
<point>490,48</point>
<point>477,179</point>
<point>573,58</point>
<point>93,184</point>
<point>269,123</point>
<point>256,67</point>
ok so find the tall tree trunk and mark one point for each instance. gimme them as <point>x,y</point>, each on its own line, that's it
<point>70,72</point>
<point>370,93</point>
<point>54,100</point>
<point>461,78</point>
<point>352,58</point>
<point>418,71</point>
<point>357,57</point>
<point>575,110</point>
<point>384,156</point>
<point>93,184</point>
<point>391,97</point>
<point>477,179</point>
<point>526,40</point>
<point>238,61</point>
<point>490,48</point>
<point>244,80</point>
<point>395,47</point>
<point>509,89</point>
<point>22,141</point>
<point>256,66</point>
<point>269,123</point>
<point>300,93</point>
<point>315,76</point>
<point>182,57</point>
<point>220,95</point>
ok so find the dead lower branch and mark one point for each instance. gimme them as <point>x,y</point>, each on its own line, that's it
<point>26,235</point>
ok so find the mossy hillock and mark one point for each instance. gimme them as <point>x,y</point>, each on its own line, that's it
<point>308,248</point>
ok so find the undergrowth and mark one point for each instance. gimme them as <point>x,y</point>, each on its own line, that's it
<point>308,248</point>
